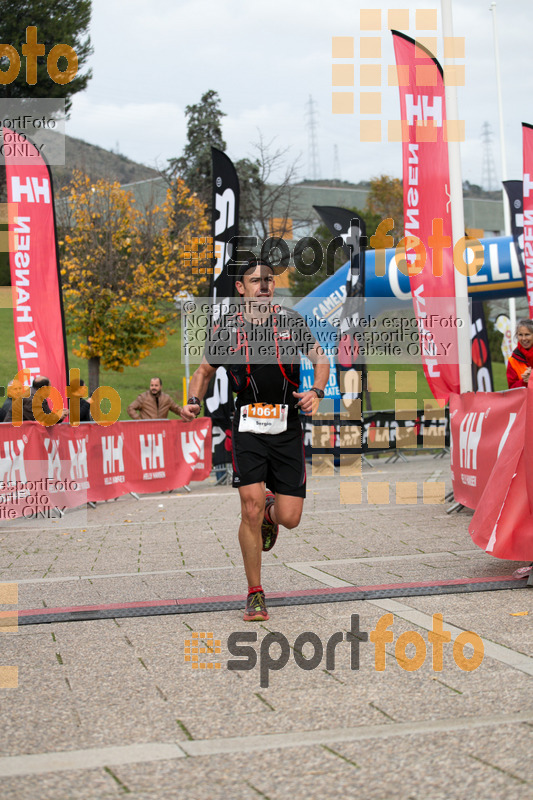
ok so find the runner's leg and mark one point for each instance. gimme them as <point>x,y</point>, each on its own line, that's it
<point>287,510</point>
<point>252,510</point>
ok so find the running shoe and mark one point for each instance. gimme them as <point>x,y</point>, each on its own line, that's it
<point>256,610</point>
<point>269,531</point>
<point>523,572</point>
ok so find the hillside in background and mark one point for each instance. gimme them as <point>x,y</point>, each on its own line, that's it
<point>98,163</point>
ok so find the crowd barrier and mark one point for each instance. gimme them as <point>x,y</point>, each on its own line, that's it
<point>492,468</point>
<point>378,431</point>
<point>59,467</point>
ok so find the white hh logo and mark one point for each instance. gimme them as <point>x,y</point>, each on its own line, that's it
<point>422,109</point>
<point>225,207</point>
<point>469,436</point>
<point>192,445</point>
<point>152,452</point>
<point>31,188</point>
<point>113,460</point>
<point>12,463</point>
<point>78,459</point>
<point>54,462</point>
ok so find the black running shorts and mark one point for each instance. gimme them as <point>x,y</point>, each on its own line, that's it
<point>277,460</point>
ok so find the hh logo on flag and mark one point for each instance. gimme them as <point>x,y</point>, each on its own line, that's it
<point>469,436</point>
<point>152,452</point>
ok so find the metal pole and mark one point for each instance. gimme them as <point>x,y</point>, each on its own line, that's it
<point>506,211</point>
<point>185,334</point>
<point>458,221</point>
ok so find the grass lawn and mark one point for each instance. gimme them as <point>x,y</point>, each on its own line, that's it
<point>165,362</point>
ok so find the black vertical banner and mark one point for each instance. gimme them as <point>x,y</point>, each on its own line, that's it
<point>482,380</point>
<point>225,225</point>
<point>515,196</point>
<point>350,228</point>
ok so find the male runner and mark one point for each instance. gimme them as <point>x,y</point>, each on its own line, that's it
<point>260,345</point>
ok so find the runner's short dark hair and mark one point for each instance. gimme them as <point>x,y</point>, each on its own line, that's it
<point>252,263</point>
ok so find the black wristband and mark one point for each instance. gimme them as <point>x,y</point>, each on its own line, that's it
<point>194,401</point>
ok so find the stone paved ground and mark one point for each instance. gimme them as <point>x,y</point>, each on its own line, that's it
<point>108,708</point>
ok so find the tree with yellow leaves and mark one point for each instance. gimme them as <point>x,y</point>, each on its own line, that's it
<point>122,267</point>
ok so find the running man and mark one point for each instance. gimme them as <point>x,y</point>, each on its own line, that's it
<point>260,346</point>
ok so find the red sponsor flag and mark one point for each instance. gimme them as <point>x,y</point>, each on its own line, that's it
<point>427,216</point>
<point>503,522</point>
<point>527,138</point>
<point>37,302</point>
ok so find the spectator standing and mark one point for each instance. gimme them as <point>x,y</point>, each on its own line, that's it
<point>153,404</point>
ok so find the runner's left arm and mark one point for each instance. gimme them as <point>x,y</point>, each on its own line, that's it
<point>308,401</point>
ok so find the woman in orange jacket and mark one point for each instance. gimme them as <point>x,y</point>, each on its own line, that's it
<point>520,364</point>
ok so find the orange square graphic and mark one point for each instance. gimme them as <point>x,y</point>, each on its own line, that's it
<point>350,436</point>
<point>426,131</point>
<point>322,464</point>
<point>350,381</point>
<point>370,47</point>
<point>9,593</point>
<point>351,493</point>
<point>426,74</point>
<point>434,437</point>
<point>370,102</point>
<point>454,47</point>
<point>406,381</point>
<point>406,493</point>
<point>378,492</point>
<point>370,130</point>
<point>342,46</point>
<point>454,74</point>
<point>342,74</point>
<point>378,381</point>
<point>405,408</point>
<point>398,19</point>
<point>370,19</point>
<point>342,102</point>
<point>353,407</point>
<point>433,492</point>
<point>398,130</point>
<point>406,437</point>
<point>350,466</point>
<point>426,19</point>
<point>370,75</point>
<point>378,438</point>
<point>398,75</point>
<point>434,409</point>
<point>429,42</point>
<point>454,130</point>
<point>9,677</point>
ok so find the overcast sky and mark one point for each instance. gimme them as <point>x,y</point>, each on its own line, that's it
<point>265,59</point>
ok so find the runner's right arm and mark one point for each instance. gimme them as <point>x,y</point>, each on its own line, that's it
<point>197,389</point>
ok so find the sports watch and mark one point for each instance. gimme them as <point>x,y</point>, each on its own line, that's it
<point>319,392</point>
<point>194,401</point>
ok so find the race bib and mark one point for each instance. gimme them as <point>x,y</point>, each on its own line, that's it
<point>263,418</point>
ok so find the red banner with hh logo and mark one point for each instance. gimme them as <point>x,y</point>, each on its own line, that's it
<point>527,140</point>
<point>480,427</point>
<point>427,217</point>
<point>37,302</point>
<point>492,468</point>
<point>63,467</point>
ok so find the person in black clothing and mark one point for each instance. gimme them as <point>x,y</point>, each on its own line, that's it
<point>27,414</point>
<point>260,345</point>
<point>15,389</point>
<point>78,391</point>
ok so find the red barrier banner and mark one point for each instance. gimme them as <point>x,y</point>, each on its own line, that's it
<point>480,426</point>
<point>63,467</point>
<point>37,311</point>
<point>427,217</point>
<point>492,468</point>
